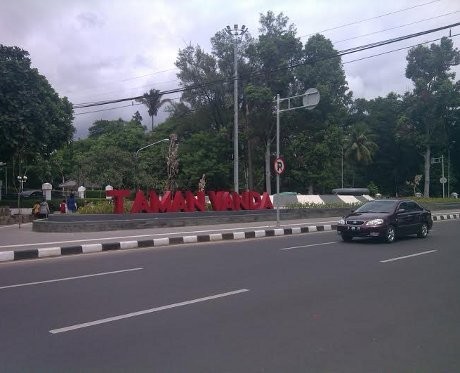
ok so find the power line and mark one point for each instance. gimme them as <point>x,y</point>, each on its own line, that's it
<point>118,107</point>
<point>371,18</point>
<point>337,27</point>
<point>339,54</point>
<point>396,27</point>
<point>395,50</point>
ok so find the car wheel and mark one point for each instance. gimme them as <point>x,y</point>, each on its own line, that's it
<point>423,231</point>
<point>346,237</point>
<point>390,234</point>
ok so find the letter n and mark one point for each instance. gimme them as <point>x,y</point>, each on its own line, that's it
<point>193,203</point>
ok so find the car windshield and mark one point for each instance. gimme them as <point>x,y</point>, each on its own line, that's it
<point>377,206</point>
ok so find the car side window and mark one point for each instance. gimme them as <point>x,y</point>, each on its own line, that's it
<point>413,206</point>
<point>403,205</point>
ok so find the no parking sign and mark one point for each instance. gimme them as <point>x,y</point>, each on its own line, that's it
<point>279,165</point>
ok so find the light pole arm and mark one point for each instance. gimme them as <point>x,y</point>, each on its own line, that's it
<point>149,145</point>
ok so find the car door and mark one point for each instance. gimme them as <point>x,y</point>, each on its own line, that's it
<point>416,216</point>
<point>404,219</point>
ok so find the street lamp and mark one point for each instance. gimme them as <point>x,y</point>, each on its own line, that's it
<point>22,180</point>
<point>235,32</point>
<point>149,145</point>
<point>145,147</point>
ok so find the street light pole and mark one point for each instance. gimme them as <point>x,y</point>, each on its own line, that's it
<point>22,180</point>
<point>235,33</point>
<point>309,101</point>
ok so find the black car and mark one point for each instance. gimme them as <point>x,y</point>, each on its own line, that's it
<point>35,193</point>
<point>386,219</point>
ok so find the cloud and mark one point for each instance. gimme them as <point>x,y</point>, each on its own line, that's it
<point>93,50</point>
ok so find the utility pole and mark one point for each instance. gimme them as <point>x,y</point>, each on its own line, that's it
<point>235,32</point>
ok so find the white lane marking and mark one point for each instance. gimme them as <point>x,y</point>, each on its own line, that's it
<point>303,246</point>
<point>144,312</point>
<point>36,244</point>
<point>70,278</point>
<point>407,256</point>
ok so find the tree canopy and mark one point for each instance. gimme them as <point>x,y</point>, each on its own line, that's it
<point>34,120</point>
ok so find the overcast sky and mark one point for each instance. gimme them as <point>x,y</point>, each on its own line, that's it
<point>92,50</point>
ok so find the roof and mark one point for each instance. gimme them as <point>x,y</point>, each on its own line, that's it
<point>68,184</point>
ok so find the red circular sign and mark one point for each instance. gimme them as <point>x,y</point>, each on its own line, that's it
<point>279,165</point>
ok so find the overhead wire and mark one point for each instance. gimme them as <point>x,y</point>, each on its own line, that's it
<point>339,54</point>
<point>371,18</point>
<point>333,28</point>
<point>395,27</point>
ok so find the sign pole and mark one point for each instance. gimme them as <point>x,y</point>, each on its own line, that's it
<point>309,101</point>
<point>443,178</point>
<point>277,156</point>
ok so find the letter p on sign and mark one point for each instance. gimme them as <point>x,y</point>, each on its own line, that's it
<point>279,165</point>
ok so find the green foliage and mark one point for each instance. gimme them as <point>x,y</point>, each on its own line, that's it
<point>429,107</point>
<point>153,101</point>
<point>34,120</point>
<point>102,207</point>
<point>205,154</point>
<point>373,189</point>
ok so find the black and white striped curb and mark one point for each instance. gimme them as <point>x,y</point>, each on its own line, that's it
<point>7,256</point>
<point>156,242</point>
<point>446,217</point>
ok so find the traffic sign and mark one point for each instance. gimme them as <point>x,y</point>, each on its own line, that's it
<point>279,165</point>
<point>310,98</point>
<point>443,180</point>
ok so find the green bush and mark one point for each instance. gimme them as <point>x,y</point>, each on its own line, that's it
<point>98,206</point>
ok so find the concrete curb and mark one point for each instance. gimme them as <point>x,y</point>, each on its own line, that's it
<point>48,252</point>
<point>156,242</point>
<point>446,217</point>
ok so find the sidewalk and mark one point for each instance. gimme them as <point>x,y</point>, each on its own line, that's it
<point>22,243</point>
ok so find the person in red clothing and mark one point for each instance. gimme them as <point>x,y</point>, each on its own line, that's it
<point>63,207</point>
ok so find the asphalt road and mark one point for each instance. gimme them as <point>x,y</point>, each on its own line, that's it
<point>15,237</point>
<point>301,303</point>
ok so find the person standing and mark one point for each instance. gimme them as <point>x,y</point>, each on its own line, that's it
<point>63,207</point>
<point>44,209</point>
<point>71,204</point>
<point>36,209</point>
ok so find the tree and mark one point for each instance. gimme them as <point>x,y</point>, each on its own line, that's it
<point>359,147</point>
<point>269,56</point>
<point>204,154</point>
<point>107,155</point>
<point>433,96</point>
<point>34,120</point>
<point>321,68</point>
<point>206,94</point>
<point>396,159</point>
<point>153,101</point>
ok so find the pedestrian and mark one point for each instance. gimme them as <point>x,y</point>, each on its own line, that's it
<point>44,209</point>
<point>71,204</point>
<point>63,207</point>
<point>36,209</point>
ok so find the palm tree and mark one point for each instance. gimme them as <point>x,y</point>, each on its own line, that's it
<point>359,148</point>
<point>153,101</point>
